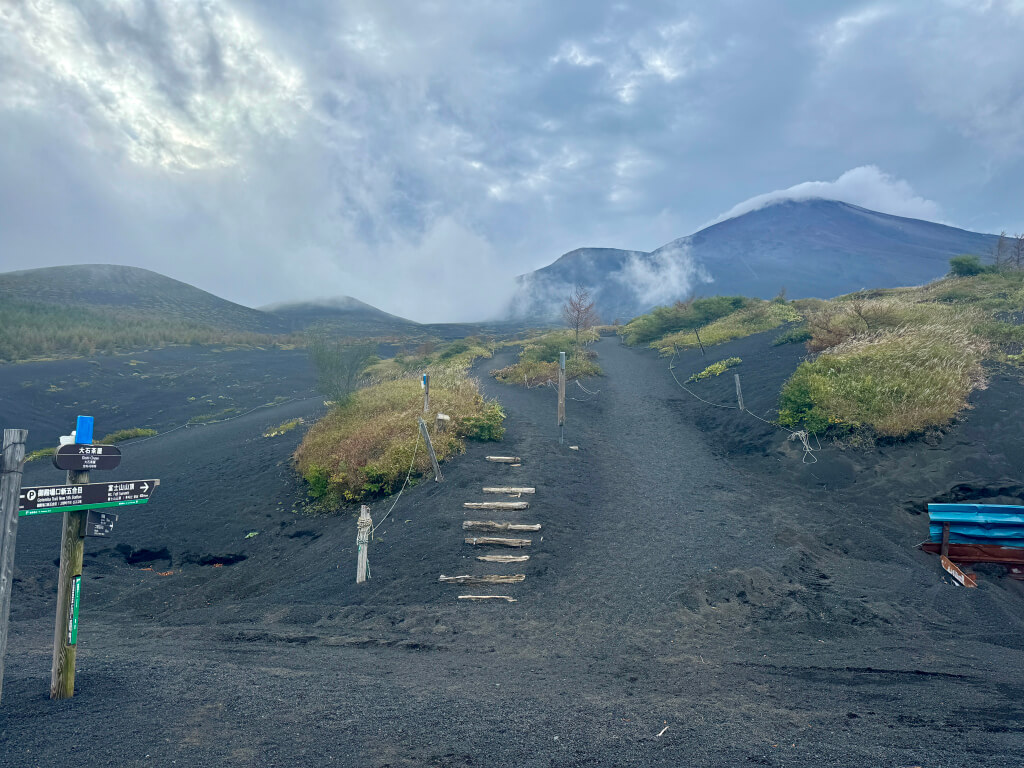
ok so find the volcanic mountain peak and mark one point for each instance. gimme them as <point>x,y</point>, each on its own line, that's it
<point>813,247</point>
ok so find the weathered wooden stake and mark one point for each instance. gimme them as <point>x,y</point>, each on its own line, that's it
<point>491,525</point>
<point>496,505</point>
<point>699,342</point>
<point>504,459</point>
<point>13,461</point>
<point>69,585</point>
<point>510,489</point>
<point>561,395</point>
<point>476,580</point>
<point>506,598</point>
<point>441,425</point>
<point>426,393</point>
<point>438,477</point>
<point>363,527</point>
<point>503,558</point>
<point>498,542</point>
<point>739,391</point>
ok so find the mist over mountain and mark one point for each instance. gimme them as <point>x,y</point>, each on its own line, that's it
<point>820,248</point>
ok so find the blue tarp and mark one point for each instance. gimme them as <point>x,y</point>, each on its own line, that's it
<point>995,524</point>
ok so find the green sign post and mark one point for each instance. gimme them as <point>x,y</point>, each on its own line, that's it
<point>75,498</point>
<point>76,594</point>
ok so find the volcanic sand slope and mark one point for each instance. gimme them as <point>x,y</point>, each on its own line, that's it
<point>760,618</point>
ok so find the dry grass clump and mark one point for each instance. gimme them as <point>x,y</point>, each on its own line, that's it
<point>364,448</point>
<point>457,355</point>
<point>758,316</point>
<point>836,322</point>
<point>538,361</point>
<point>896,381</point>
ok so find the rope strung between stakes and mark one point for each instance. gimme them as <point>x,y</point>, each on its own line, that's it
<point>800,434</point>
<point>411,463</point>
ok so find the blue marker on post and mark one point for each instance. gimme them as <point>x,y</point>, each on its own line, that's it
<point>83,430</point>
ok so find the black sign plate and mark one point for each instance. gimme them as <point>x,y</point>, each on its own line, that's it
<point>83,458</point>
<point>99,524</point>
<point>66,498</point>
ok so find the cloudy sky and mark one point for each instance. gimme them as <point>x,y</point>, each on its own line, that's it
<point>416,154</point>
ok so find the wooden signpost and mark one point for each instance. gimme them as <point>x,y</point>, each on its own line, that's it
<point>438,477</point>
<point>363,528</point>
<point>561,396</point>
<point>78,499</point>
<point>12,463</point>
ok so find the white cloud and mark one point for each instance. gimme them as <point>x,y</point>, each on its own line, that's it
<point>191,98</point>
<point>866,186</point>
<point>662,277</point>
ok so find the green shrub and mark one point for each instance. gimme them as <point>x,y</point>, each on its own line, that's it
<point>363,448</point>
<point>538,361</point>
<point>756,317</point>
<point>681,316</point>
<point>485,426</point>
<point>716,369</point>
<point>125,434</point>
<point>967,265</point>
<point>797,333</point>
<point>897,381</point>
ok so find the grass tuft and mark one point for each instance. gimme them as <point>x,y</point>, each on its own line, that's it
<point>538,361</point>
<point>716,369</point>
<point>757,316</point>
<point>364,448</point>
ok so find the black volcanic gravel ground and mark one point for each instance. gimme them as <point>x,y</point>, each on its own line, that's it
<point>693,578</point>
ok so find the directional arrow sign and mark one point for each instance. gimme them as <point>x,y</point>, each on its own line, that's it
<point>83,458</point>
<point>41,500</point>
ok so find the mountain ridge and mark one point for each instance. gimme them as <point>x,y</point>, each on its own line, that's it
<point>812,248</point>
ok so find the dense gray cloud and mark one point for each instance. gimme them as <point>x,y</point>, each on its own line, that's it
<point>416,155</point>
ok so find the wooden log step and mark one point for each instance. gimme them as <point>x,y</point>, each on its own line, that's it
<point>503,558</point>
<point>506,598</point>
<point>493,579</point>
<point>497,505</point>
<point>505,459</point>
<point>510,489</point>
<point>474,540</point>
<point>490,525</point>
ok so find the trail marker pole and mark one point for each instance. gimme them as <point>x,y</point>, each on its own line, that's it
<point>69,586</point>
<point>739,391</point>
<point>11,466</point>
<point>699,342</point>
<point>561,396</point>
<point>426,393</point>
<point>363,527</point>
<point>438,477</point>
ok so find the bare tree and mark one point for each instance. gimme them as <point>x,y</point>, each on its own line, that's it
<point>1018,251</point>
<point>578,312</point>
<point>1001,255</point>
<point>338,364</point>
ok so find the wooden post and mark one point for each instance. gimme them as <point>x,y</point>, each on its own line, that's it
<point>561,392</point>
<point>11,466</point>
<point>699,342</point>
<point>438,477</point>
<point>426,393</point>
<point>944,550</point>
<point>69,584</point>
<point>441,424</point>
<point>363,527</point>
<point>739,392</point>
